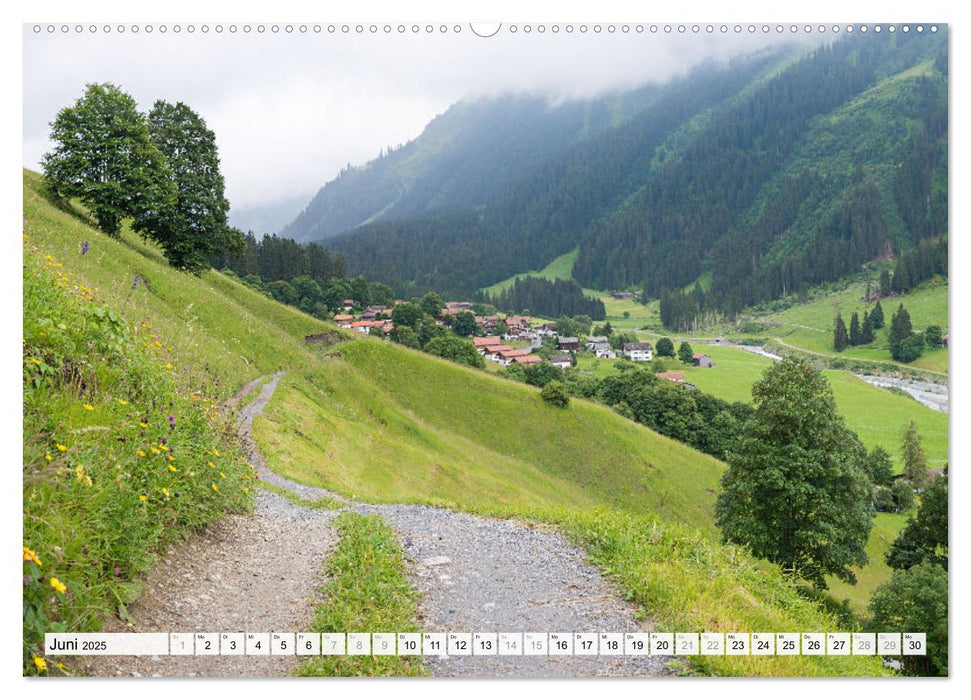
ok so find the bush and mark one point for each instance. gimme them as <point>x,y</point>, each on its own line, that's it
<point>903,496</point>
<point>556,394</point>
<point>916,600</point>
<point>883,499</point>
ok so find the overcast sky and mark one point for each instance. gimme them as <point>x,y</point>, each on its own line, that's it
<point>289,110</point>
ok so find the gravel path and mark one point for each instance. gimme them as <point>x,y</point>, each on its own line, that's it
<point>475,574</point>
<point>246,573</point>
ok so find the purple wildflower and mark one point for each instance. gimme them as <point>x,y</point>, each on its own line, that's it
<point>117,571</point>
<point>172,422</point>
<point>84,248</point>
<point>28,580</point>
<point>134,284</point>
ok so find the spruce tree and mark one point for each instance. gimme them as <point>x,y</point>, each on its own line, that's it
<point>840,337</point>
<point>915,463</point>
<point>855,337</point>
<point>885,284</point>
<point>904,346</point>
<point>876,318</point>
<point>866,331</point>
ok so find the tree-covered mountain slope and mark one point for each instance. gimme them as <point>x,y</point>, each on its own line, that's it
<point>771,174</point>
<point>461,157</point>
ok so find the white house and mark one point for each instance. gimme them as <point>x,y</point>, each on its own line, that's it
<point>638,352</point>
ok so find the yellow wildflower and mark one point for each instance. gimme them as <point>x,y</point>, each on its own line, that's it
<point>143,497</point>
<point>222,475</point>
<point>48,258</point>
<point>211,465</point>
<point>88,407</point>
<point>168,365</point>
<point>172,468</point>
<point>79,471</point>
<point>155,451</point>
<point>31,555</point>
<point>48,458</point>
<point>87,480</point>
<point>245,490</point>
<point>141,453</point>
<point>215,452</point>
<point>60,665</point>
<point>40,663</point>
<point>215,488</point>
<point>143,425</point>
<point>171,458</point>
<point>122,402</point>
<point>57,585</point>
<point>61,448</point>
<point>35,360</point>
<point>165,492</point>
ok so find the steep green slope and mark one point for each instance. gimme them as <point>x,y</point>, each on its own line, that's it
<point>373,419</point>
<point>767,177</point>
<point>543,211</point>
<point>453,164</point>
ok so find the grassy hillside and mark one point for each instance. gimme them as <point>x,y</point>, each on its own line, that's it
<point>379,421</point>
<point>809,326</point>
<point>560,268</point>
<point>397,425</point>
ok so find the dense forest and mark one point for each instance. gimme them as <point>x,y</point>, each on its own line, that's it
<point>770,174</point>
<point>543,297</point>
<point>275,258</point>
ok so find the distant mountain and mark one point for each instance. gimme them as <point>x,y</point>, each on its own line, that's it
<point>770,174</point>
<point>460,159</point>
<point>269,218</point>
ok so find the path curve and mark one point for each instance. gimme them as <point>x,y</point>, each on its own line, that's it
<point>474,574</point>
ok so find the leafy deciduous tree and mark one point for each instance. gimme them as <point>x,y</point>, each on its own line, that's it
<point>796,491</point>
<point>685,353</point>
<point>104,156</point>
<point>665,348</point>
<point>916,599</point>
<point>196,228</point>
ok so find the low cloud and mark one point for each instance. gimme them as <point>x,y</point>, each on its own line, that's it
<point>290,110</point>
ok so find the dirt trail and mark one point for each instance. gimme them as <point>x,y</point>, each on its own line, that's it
<point>475,574</point>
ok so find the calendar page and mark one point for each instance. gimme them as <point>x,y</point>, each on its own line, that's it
<point>438,348</point>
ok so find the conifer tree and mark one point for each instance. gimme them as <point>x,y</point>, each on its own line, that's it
<point>855,337</point>
<point>915,463</point>
<point>840,338</point>
<point>885,283</point>
<point>876,318</point>
<point>866,331</point>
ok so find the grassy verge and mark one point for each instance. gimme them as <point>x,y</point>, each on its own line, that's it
<point>684,581</point>
<point>122,453</point>
<point>367,591</point>
<point>317,503</point>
